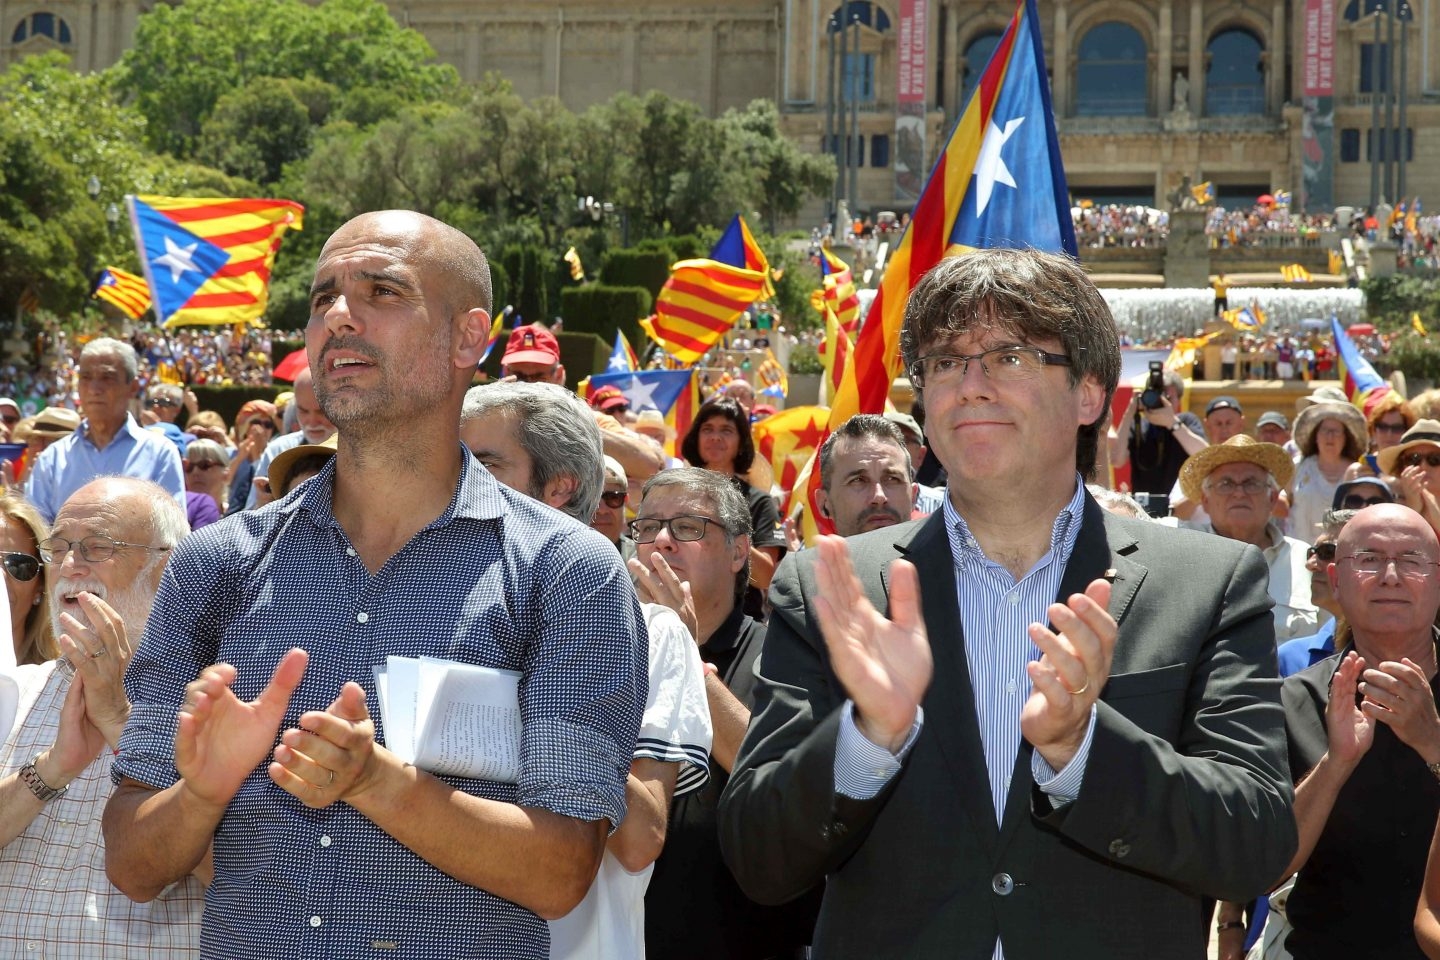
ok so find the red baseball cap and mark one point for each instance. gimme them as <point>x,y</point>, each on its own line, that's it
<point>531,343</point>
<point>607,399</point>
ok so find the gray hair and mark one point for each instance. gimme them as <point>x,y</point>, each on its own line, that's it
<point>860,427</point>
<point>119,349</point>
<point>1116,502</point>
<point>725,499</point>
<point>556,429</point>
<point>209,451</point>
<point>166,518</point>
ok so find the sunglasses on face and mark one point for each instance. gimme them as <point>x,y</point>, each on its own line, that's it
<point>21,566</point>
<point>206,465</point>
<point>161,402</point>
<point>614,499</point>
<point>1325,552</point>
<point>1353,502</point>
<point>1416,459</point>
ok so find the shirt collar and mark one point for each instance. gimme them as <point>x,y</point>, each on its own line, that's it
<point>1063,533</point>
<point>129,427</point>
<point>478,495</point>
<point>729,633</point>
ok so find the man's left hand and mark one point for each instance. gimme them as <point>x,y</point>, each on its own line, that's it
<point>1399,695</point>
<point>330,755</point>
<point>1072,670</point>
<point>99,653</point>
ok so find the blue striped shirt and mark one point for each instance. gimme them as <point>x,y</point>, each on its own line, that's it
<point>498,580</point>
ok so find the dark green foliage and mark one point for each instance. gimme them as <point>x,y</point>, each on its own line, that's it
<point>528,269</point>
<point>227,401</point>
<point>602,310</point>
<point>637,268</point>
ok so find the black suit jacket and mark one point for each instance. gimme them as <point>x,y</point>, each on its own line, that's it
<point>1186,793</point>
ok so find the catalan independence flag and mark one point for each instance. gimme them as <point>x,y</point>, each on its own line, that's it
<point>494,337</point>
<point>675,393</point>
<point>1362,384</point>
<point>208,260</point>
<point>1295,273</point>
<point>998,183</point>
<point>703,298</point>
<point>124,290</point>
<point>622,355</point>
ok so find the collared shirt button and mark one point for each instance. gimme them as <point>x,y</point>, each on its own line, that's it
<point>315,921</point>
<point>1119,848</point>
<point>325,841</point>
<point>1014,599</point>
<point>362,616</point>
<point>1010,686</point>
<point>349,551</point>
<point>32,945</point>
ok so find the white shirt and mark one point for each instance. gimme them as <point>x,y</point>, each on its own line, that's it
<point>610,921</point>
<point>1295,615</point>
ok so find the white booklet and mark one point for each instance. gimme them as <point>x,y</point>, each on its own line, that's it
<point>451,718</point>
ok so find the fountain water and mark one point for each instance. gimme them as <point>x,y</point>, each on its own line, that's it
<point>1162,314</point>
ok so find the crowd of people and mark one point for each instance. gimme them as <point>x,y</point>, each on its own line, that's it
<point>999,709</point>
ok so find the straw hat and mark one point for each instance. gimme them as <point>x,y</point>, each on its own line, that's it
<point>286,460</point>
<point>1425,432</point>
<point>1346,414</point>
<point>54,422</point>
<point>1240,448</point>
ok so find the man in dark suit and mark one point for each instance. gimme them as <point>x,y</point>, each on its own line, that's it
<point>969,781</point>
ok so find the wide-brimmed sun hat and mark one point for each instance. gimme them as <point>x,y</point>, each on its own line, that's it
<point>1346,414</point>
<point>1425,432</point>
<point>1240,448</point>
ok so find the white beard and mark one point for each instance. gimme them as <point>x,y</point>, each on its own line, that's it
<point>132,604</point>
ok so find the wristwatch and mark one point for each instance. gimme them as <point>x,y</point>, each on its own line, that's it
<point>42,790</point>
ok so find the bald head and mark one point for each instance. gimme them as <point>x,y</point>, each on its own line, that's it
<point>455,257</point>
<point>1387,518</point>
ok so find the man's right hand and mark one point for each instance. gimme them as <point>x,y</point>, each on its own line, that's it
<point>77,743</point>
<point>1162,416</point>
<point>221,739</point>
<point>1348,729</point>
<point>885,665</point>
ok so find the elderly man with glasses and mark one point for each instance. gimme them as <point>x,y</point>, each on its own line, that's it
<point>1365,746</point>
<point>104,557</point>
<point>1238,482</point>
<point>693,528</point>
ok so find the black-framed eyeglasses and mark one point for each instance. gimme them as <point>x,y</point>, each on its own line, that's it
<point>684,529</point>
<point>161,402</point>
<point>1009,363</point>
<point>21,566</point>
<point>1408,566</point>
<point>1353,502</point>
<point>1416,459</point>
<point>614,499</point>
<point>92,549</point>
<point>1325,552</point>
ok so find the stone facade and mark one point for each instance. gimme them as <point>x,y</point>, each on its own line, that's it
<point>723,55</point>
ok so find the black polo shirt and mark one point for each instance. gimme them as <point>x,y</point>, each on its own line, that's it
<point>694,909</point>
<point>1355,897</point>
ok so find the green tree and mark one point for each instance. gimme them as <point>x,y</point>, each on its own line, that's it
<point>186,58</point>
<point>784,175</point>
<point>255,130</point>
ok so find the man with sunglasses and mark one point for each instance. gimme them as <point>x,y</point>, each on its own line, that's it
<point>105,556</point>
<point>10,415</point>
<point>164,401</point>
<point>1415,463</point>
<point>1364,739</point>
<point>1063,733</point>
<point>693,528</point>
<point>609,518</point>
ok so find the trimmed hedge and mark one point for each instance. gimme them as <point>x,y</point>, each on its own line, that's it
<point>636,268</point>
<point>227,401</point>
<point>527,272</point>
<point>601,310</point>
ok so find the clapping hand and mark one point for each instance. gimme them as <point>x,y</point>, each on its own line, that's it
<point>328,757</point>
<point>884,664</point>
<point>1072,670</point>
<point>1349,729</point>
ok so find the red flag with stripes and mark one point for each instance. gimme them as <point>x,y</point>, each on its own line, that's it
<point>703,298</point>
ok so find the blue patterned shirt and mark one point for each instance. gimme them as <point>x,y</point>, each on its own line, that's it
<point>71,462</point>
<point>498,580</point>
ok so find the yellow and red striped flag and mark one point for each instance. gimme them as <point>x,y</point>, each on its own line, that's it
<point>124,290</point>
<point>703,298</point>
<point>838,288</point>
<point>1295,273</point>
<point>207,260</point>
